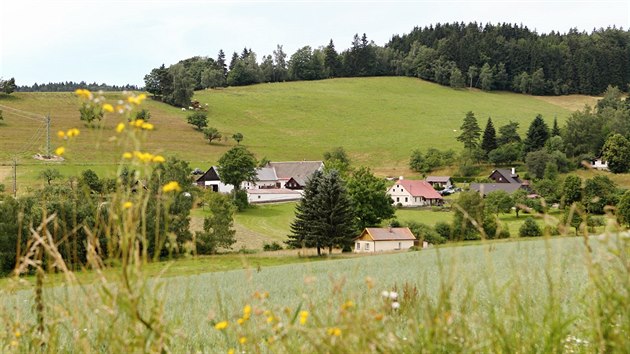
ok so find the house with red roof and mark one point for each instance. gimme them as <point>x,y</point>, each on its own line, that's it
<point>414,193</point>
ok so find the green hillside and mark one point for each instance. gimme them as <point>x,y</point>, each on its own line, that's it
<point>379,121</point>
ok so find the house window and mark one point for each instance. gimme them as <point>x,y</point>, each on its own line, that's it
<point>399,245</point>
<point>406,199</point>
<point>358,246</point>
<point>367,246</point>
<point>397,199</point>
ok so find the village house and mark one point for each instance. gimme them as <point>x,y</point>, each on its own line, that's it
<point>414,193</point>
<point>275,182</point>
<point>442,182</point>
<point>375,239</point>
<point>505,180</point>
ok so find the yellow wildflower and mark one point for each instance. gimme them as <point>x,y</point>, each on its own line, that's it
<point>127,155</point>
<point>303,317</point>
<point>127,205</point>
<point>60,150</point>
<point>73,132</point>
<point>137,100</point>
<point>231,351</point>
<point>270,319</point>
<point>242,340</point>
<point>61,134</point>
<point>221,325</point>
<point>138,123</point>
<point>240,321</point>
<point>83,93</point>
<point>14,343</point>
<point>247,311</point>
<point>147,126</point>
<point>334,331</point>
<point>18,334</point>
<point>348,305</point>
<point>120,127</point>
<point>158,158</point>
<point>108,108</point>
<point>171,186</point>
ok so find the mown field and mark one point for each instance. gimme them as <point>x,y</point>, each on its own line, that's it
<point>531,295</point>
<point>379,121</point>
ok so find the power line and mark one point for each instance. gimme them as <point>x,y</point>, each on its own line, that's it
<point>24,114</point>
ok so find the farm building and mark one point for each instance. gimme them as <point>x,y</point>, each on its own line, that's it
<point>380,239</point>
<point>443,182</point>
<point>277,181</point>
<point>414,193</point>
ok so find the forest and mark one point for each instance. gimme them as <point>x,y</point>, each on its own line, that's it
<point>489,57</point>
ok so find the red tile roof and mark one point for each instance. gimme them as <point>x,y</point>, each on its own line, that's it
<point>419,189</point>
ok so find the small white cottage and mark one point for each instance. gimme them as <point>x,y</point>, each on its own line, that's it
<point>379,239</point>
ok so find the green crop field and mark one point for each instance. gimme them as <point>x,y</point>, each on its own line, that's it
<point>479,289</point>
<point>379,121</point>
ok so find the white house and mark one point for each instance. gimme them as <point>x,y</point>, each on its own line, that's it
<point>599,164</point>
<point>210,179</point>
<point>380,239</point>
<point>414,193</point>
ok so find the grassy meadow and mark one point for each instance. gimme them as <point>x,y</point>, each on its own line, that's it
<point>543,295</point>
<point>379,121</point>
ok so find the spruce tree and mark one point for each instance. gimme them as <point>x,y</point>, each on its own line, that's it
<point>334,224</point>
<point>305,214</point>
<point>489,140</point>
<point>537,135</point>
<point>470,132</point>
<point>555,131</point>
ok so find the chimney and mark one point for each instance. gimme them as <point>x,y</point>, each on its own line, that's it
<point>400,178</point>
<point>513,171</point>
<point>390,228</point>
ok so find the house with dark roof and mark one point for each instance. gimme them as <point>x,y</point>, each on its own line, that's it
<point>380,239</point>
<point>414,193</point>
<point>504,179</point>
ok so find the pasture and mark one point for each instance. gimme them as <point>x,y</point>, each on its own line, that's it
<point>379,121</point>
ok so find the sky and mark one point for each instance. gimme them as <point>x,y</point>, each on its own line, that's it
<point>118,42</point>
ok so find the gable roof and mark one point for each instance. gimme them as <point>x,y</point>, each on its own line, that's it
<point>507,175</point>
<point>419,189</point>
<point>299,170</point>
<point>491,187</point>
<point>438,179</point>
<point>388,233</point>
<point>211,175</point>
<point>266,174</point>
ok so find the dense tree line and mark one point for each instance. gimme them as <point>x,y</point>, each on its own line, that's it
<point>490,57</point>
<point>70,86</point>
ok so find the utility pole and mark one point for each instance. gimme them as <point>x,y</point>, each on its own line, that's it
<point>48,135</point>
<point>15,177</point>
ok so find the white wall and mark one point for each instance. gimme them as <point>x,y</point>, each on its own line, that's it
<point>399,195</point>
<point>223,188</point>
<point>272,197</point>
<point>382,246</point>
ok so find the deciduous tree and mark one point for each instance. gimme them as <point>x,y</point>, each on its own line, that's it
<point>369,197</point>
<point>236,166</point>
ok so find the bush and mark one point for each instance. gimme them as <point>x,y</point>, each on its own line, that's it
<point>143,114</point>
<point>240,200</point>
<point>274,246</point>
<point>443,229</point>
<point>530,229</point>
<point>425,233</point>
<point>198,119</point>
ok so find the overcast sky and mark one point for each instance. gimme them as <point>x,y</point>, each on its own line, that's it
<point>118,42</point>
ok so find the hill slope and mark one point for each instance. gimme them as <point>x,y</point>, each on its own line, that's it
<point>379,121</point>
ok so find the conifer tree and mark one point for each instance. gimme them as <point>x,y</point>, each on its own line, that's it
<point>555,131</point>
<point>305,214</point>
<point>470,132</point>
<point>537,135</point>
<point>489,140</point>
